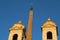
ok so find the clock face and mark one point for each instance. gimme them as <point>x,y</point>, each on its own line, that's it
<point>21,27</point>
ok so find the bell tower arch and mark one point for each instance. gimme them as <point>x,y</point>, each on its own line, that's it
<point>49,35</point>
<point>17,31</point>
<point>49,30</point>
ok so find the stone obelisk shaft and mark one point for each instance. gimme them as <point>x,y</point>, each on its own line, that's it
<point>29,32</point>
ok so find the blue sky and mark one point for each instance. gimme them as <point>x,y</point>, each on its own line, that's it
<point>11,11</point>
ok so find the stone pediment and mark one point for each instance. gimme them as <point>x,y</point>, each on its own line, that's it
<point>17,26</point>
<point>49,23</point>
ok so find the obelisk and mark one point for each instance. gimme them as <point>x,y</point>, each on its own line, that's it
<point>29,32</point>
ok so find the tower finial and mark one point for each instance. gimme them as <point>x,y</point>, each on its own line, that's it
<point>19,22</point>
<point>49,18</point>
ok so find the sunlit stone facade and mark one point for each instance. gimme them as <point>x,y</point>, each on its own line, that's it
<point>17,31</point>
<point>49,30</point>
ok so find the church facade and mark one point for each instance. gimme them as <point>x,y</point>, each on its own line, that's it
<point>18,32</point>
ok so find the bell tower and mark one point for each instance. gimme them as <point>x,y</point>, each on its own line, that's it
<point>49,30</point>
<point>17,31</point>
